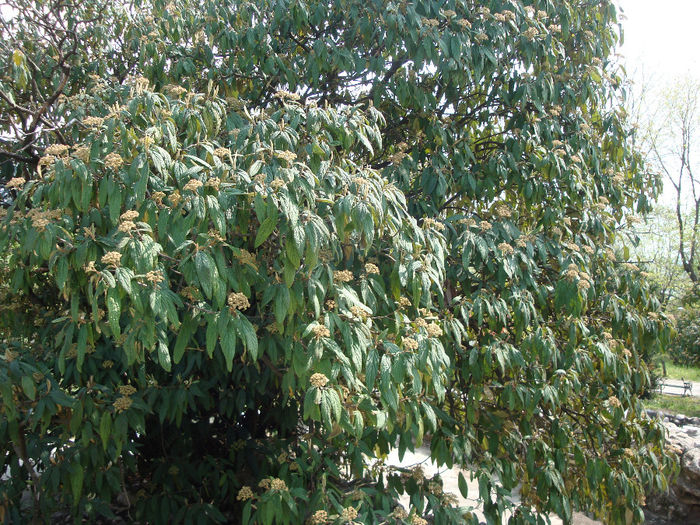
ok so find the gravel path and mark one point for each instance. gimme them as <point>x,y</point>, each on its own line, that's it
<point>679,391</point>
<point>449,477</point>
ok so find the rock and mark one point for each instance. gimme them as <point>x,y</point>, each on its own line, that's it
<point>682,501</point>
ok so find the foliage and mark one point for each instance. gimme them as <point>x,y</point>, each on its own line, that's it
<point>685,345</point>
<point>261,244</point>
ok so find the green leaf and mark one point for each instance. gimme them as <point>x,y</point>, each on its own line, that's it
<point>266,229</point>
<point>227,336</point>
<point>187,329</point>
<point>76,482</point>
<point>114,311</point>
<point>164,355</point>
<point>29,387</point>
<point>105,428</point>
<point>206,272</point>
<point>281,306</point>
<point>462,484</point>
<point>248,335</point>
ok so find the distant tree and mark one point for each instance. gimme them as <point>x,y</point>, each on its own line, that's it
<point>250,247</point>
<point>674,142</point>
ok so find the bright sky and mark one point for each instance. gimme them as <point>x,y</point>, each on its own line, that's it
<point>662,38</point>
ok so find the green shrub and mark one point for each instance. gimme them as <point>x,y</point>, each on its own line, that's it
<point>685,345</point>
<point>305,232</point>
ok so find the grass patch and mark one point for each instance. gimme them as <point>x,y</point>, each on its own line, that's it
<point>689,373</point>
<point>674,371</point>
<point>690,406</point>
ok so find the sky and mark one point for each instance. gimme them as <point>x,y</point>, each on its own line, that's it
<point>661,38</point>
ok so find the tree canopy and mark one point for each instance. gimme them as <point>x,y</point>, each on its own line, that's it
<point>250,247</point>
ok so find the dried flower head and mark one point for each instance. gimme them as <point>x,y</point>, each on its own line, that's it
<point>288,156</point>
<point>506,249</point>
<point>155,277</point>
<point>245,494</point>
<point>320,331</point>
<point>349,514</point>
<point>15,183</point>
<point>56,150</point>
<point>126,390</point>
<point>320,517</point>
<point>158,197</point>
<point>192,185</point>
<point>409,343</point>
<point>112,259</point>
<point>342,276</point>
<point>277,184</point>
<point>464,23</point>
<point>93,122</point>
<point>278,484</point>
<point>318,380</point>
<point>286,95</point>
<point>113,161</point>
<point>238,301</point>
<point>434,330</point>
<point>126,226</point>
<point>221,153</point>
<point>122,403</point>
<point>129,215</point>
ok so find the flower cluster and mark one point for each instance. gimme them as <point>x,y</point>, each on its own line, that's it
<point>126,390</point>
<point>56,150</point>
<point>318,380</point>
<point>371,269</point>
<point>485,226</point>
<point>288,156</point>
<point>432,223</point>
<point>358,312</point>
<point>221,152</point>
<point>286,95</point>
<point>349,514</point>
<point>154,277</point>
<point>122,403</point>
<point>409,343</point>
<point>277,184</point>
<point>434,330</point>
<point>320,331</point>
<point>238,301</point>
<point>93,122</point>
<point>278,484</point>
<point>175,91</point>
<point>506,249</point>
<point>214,183</point>
<point>112,259</point>
<point>15,182</point>
<point>342,276</point>
<point>405,302</point>
<point>614,402</point>
<point>320,517</point>
<point>245,494</point>
<point>113,161</point>
<point>192,185</point>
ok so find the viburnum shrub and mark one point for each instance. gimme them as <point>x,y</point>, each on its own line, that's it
<point>248,248</point>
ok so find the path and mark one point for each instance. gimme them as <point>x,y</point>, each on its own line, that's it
<point>449,477</point>
<point>677,391</point>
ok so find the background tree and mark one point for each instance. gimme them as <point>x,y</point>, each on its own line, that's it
<point>277,239</point>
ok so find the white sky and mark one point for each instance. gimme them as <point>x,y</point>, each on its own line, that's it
<point>661,38</point>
